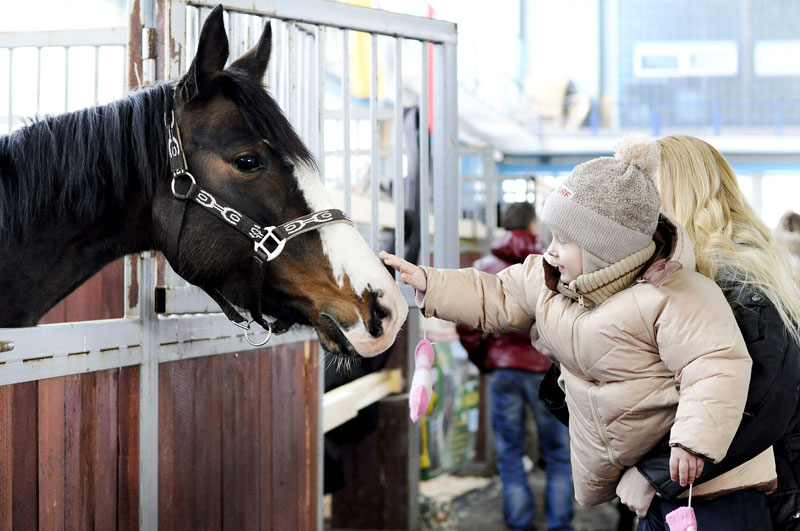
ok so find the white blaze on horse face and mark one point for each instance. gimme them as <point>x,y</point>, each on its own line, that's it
<point>350,255</point>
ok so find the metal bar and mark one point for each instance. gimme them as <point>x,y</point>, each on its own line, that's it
<point>445,158</point>
<point>96,74</point>
<point>64,38</point>
<point>38,79</point>
<point>66,79</point>
<point>346,121</point>
<point>292,63</point>
<point>320,39</point>
<point>374,184</point>
<point>399,196</point>
<point>424,235</point>
<point>63,339</point>
<point>10,86</point>
<point>52,367</point>
<point>148,398</point>
<point>340,15</point>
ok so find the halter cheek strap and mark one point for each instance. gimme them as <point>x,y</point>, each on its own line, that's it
<point>268,241</point>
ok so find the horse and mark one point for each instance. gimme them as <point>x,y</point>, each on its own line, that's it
<point>207,170</point>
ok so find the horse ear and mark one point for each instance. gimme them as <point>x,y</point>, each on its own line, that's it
<point>212,53</point>
<point>256,59</point>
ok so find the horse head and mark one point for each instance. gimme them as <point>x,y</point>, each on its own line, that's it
<point>240,147</point>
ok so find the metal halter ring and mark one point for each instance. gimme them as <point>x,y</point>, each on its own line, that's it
<point>176,177</point>
<point>246,328</point>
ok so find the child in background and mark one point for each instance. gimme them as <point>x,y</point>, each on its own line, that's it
<point>645,344</point>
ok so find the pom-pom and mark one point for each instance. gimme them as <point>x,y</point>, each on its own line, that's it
<point>640,151</point>
<point>682,519</point>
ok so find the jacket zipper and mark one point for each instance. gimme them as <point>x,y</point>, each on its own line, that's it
<point>595,415</point>
<point>602,430</point>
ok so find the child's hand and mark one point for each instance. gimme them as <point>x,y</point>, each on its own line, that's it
<point>409,273</point>
<point>635,491</point>
<point>684,465</point>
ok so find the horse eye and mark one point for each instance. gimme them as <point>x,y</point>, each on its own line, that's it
<point>247,163</point>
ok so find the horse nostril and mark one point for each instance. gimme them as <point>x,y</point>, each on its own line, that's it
<point>377,314</point>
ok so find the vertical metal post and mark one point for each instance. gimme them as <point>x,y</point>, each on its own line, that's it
<point>38,80</point>
<point>96,74</point>
<point>374,183</point>
<point>346,120</point>
<point>445,157</point>
<point>320,39</point>
<point>399,196</point>
<point>490,176</point>
<point>10,87</point>
<point>292,63</point>
<point>424,162</point>
<point>148,396</point>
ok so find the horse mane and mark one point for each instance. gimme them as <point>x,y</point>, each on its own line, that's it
<point>75,166</point>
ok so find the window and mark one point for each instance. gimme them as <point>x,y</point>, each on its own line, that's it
<point>685,59</point>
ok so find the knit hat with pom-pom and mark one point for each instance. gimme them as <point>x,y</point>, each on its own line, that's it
<point>609,206</point>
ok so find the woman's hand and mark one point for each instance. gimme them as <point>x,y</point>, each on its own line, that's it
<point>409,273</point>
<point>684,465</point>
<point>635,491</point>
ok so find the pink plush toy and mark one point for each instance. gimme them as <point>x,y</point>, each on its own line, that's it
<point>421,384</point>
<point>683,518</point>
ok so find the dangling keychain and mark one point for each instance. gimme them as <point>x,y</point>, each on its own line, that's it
<point>419,395</point>
<point>683,518</point>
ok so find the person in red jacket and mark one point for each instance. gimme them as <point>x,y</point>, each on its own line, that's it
<point>515,370</point>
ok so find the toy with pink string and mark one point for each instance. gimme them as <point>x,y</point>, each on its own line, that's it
<point>421,390</point>
<point>683,518</point>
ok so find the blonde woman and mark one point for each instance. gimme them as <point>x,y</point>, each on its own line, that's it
<point>736,249</point>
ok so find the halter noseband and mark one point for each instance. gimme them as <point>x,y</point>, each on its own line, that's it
<point>268,241</point>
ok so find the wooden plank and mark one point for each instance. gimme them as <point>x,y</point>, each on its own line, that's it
<point>6,457</point>
<point>52,471</point>
<point>128,462</point>
<point>166,445</point>
<point>228,459</point>
<point>311,375</point>
<point>104,451</point>
<point>74,481</point>
<point>207,457</point>
<point>284,395</point>
<point>183,441</point>
<point>265,439</point>
<point>245,442</point>
<point>395,487</point>
<point>24,470</point>
<point>112,298</point>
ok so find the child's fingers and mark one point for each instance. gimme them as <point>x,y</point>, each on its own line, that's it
<point>691,465</point>
<point>396,262</point>
<point>673,467</point>
<point>683,471</point>
<point>700,463</point>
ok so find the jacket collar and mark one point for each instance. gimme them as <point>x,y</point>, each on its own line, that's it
<point>592,289</point>
<point>670,251</point>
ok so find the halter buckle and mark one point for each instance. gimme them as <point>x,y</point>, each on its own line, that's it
<point>269,234</point>
<point>177,176</point>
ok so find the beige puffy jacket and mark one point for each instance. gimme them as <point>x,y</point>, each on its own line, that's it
<point>641,355</point>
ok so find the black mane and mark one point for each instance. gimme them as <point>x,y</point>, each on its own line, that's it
<point>76,165</point>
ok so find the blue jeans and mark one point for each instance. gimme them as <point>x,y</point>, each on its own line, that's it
<point>509,391</point>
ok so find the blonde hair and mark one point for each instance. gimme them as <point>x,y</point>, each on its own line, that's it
<point>731,243</point>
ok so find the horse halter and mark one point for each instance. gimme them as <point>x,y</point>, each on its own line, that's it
<point>268,241</point>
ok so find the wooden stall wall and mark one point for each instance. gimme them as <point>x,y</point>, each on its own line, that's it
<point>70,445</point>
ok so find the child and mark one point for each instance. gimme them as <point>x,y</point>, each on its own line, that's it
<point>646,345</point>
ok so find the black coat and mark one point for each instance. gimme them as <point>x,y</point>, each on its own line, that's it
<point>771,416</point>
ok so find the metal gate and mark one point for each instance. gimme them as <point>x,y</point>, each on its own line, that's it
<point>165,320</point>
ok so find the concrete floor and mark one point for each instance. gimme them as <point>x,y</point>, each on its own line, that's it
<point>481,509</point>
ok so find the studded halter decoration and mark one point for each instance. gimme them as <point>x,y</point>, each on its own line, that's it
<point>268,241</point>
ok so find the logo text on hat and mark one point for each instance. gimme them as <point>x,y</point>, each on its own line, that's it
<point>563,190</point>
